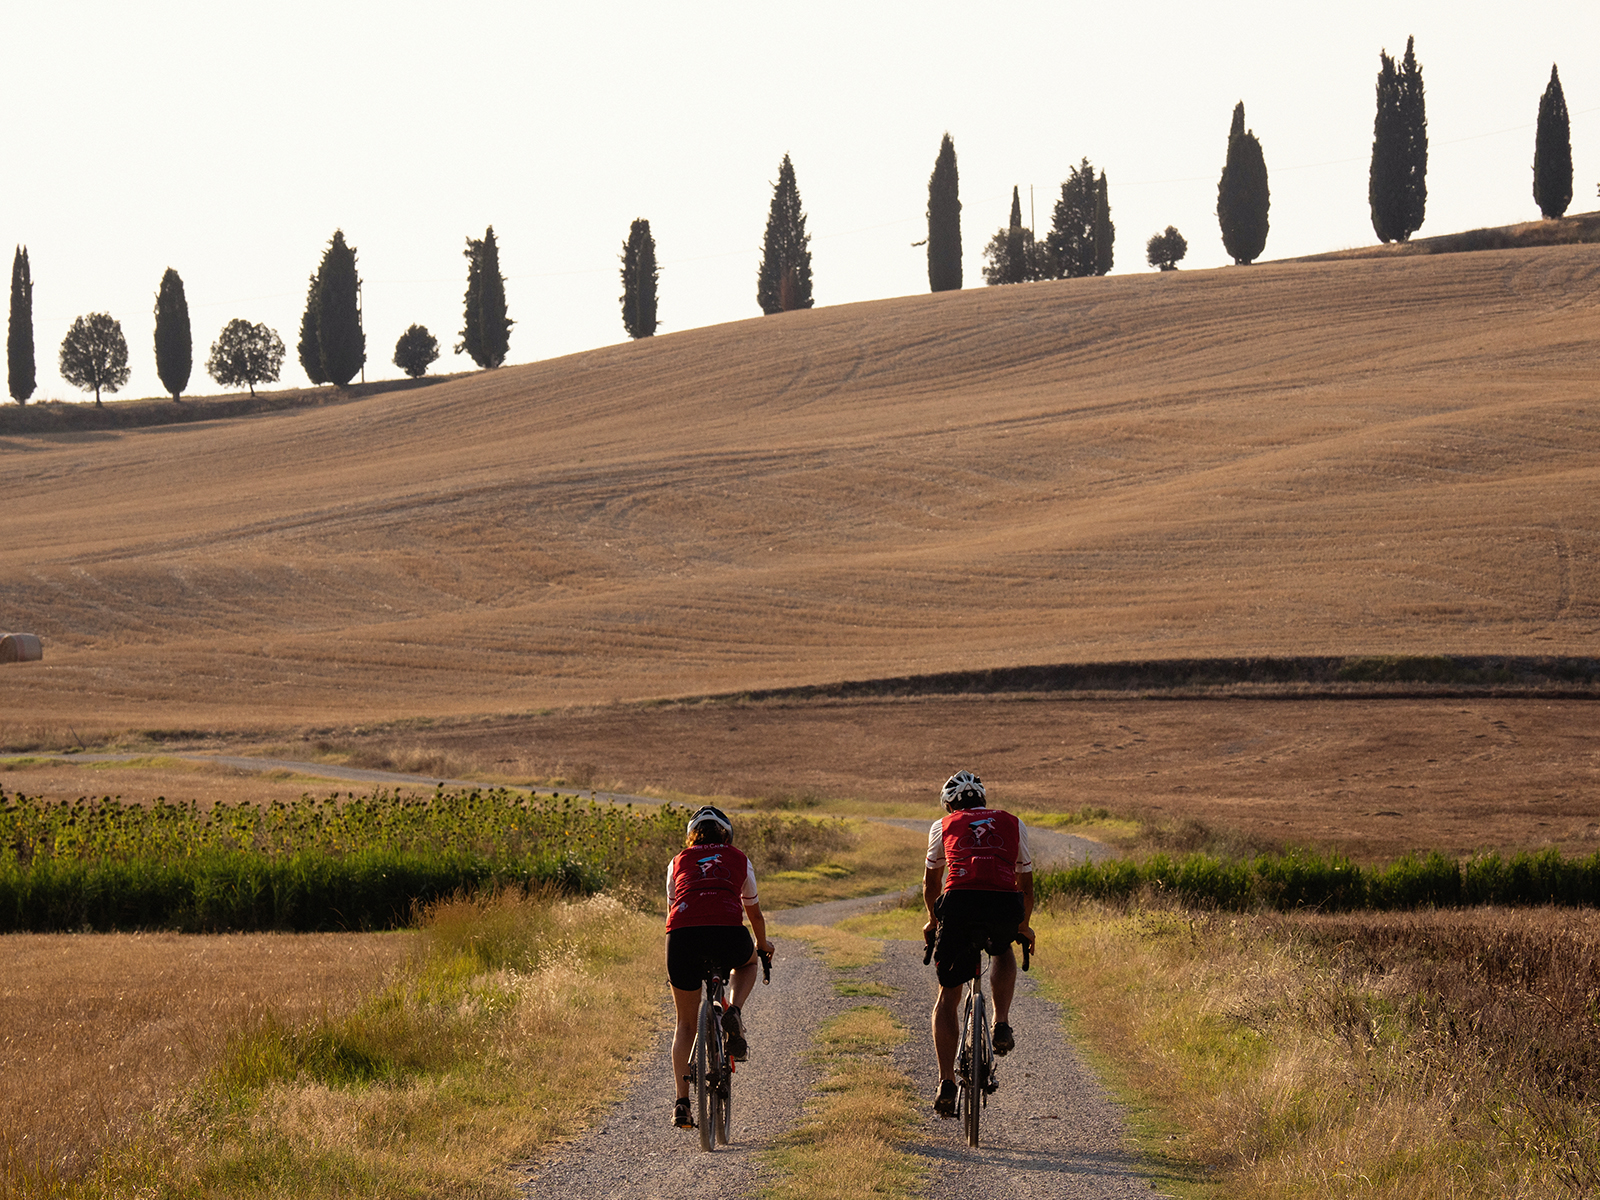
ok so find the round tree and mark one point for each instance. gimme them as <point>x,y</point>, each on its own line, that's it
<point>94,354</point>
<point>1165,250</point>
<point>245,354</point>
<point>416,351</point>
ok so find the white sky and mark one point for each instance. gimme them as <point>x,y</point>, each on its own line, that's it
<point>229,141</point>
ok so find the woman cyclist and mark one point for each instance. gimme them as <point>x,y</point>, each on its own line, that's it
<point>710,888</point>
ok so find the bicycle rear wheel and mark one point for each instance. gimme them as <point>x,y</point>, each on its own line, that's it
<point>978,1073</point>
<point>701,1066</point>
<point>725,1100</point>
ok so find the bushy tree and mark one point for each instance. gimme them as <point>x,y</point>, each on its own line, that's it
<point>784,280</point>
<point>1013,256</point>
<point>21,374</point>
<point>1397,187</point>
<point>1166,250</point>
<point>416,351</point>
<point>1081,229</point>
<point>639,276</point>
<point>341,342</point>
<point>174,343</point>
<point>245,354</point>
<point>94,354</point>
<point>944,221</point>
<point>1242,195</point>
<point>1552,151</point>
<point>485,328</point>
<point>309,348</point>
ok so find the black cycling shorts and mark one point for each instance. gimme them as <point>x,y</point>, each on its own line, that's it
<point>696,952</point>
<point>970,921</point>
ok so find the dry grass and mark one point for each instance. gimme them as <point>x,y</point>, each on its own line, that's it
<point>1361,457</point>
<point>102,1030</point>
<point>1344,1056</point>
<point>862,859</point>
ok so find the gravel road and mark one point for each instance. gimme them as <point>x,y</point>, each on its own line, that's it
<point>1050,1131</point>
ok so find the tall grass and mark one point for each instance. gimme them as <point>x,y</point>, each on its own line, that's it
<point>1331,883</point>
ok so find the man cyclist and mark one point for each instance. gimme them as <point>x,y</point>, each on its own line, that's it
<point>710,888</point>
<point>978,889</point>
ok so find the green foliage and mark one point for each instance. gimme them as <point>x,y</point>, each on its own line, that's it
<point>174,342</point>
<point>1242,194</point>
<point>784,280</point>
<point>309,349</point>
<point>1552,151</point>
<point>1081,231</point>
<point>357,863</point>
<point>1303,880</point>
<point>20,372</point>
<point>1397,190</point>
<point>94,354</point>
<point>416,351</point>
<point>245,354</point>
<point>485,328</point>
<point>639,276</point>
<point>1013,256</point>
<point>944,221</point>
<point>341,343</point>
<point>1165,250</point>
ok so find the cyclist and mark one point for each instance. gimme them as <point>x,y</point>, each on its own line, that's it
<point>978,889</point>
<point>710,888</point>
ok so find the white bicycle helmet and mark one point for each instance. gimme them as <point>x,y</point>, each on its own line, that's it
<point>709,814</point>
<point>961,790</point>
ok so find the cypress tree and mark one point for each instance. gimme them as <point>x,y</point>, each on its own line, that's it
<point>1414,118</point>
<point>340,340</point>
<point>1104,231</point>
<point>1552,151</point>
<point>21,375</point>
<point>485,328</point>
<point>1242,195</point>
<point>784,280</point>
<point>309,349</point>
<point>1075,223</point>
<point>1384,178</point>
<point>639,275</point>
<point>1016,264</point>
<point>174,344</point>
<point>944,221</point>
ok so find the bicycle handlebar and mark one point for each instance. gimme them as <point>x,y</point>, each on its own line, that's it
<point>927,955</point>
<point>766,966</point>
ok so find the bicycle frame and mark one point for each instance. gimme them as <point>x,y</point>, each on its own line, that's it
<point>711,1068</point>
<point>976,1080</point>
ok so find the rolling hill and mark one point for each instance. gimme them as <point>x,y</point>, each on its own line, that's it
<point>1339,457</point>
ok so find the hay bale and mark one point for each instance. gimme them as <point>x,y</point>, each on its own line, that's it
<point>21,647</point>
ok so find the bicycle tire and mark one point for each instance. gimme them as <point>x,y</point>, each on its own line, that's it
<point>980,1067</point>
<point>719,1078</point>
<point>725,1097</point>
<point>702,1076</point>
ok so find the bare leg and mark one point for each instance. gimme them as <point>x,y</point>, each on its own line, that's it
<point>947,1030</point>
<point>688,1006</point>
<point>744,979</point>
<point>1003,983</point>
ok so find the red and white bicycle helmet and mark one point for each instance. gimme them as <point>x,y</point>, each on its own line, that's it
<point>961,790</point>
<point>709,814</point>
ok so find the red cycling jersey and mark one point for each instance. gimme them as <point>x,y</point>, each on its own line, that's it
<point>984,848</point>
<point>709,885</point>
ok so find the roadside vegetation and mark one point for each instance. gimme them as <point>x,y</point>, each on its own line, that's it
<point>1444,1053</point>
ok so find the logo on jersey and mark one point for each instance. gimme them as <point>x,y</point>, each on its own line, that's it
<point>706,864</point>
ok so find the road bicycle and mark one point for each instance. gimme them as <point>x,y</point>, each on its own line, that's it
<point>976,1080</point>
<point>711,1067</point>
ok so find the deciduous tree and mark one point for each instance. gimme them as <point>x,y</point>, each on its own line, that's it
<point>416,351</point>
<point>784,280</point>
<point>1165,250</point>
<point>21,374</point>
<point>639,275</point>
<point>245,354</point>
<point>1552,151</point>
<point>944,221</point>
<point>1081,229</point>
<point>174,343</point>
<point>94,354</point>
<point>485,328</point>
<point>1242,194</point>
<point>341,342</point>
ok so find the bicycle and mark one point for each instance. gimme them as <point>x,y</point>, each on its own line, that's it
<point>976,1080</point>
<point>711,1067</point>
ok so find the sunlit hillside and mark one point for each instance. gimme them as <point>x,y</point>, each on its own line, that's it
<point>1335,457</point>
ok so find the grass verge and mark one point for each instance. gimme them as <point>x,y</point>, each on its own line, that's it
<point>846,1146</point>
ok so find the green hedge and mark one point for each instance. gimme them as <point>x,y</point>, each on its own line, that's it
<point>1333,883</point>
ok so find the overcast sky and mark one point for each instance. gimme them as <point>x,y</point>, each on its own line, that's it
<point>230,141</point>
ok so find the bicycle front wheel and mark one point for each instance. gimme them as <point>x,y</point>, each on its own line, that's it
<point>977,1049</point>
<point>703,1087</point>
